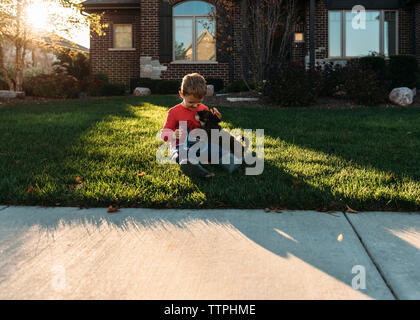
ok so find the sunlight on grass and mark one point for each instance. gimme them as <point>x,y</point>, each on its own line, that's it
<point>313,158</point>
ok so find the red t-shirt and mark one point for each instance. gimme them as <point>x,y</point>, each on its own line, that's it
<point>177,114</point>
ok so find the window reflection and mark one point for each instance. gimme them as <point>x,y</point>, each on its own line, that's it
<point>335,34</point>
<point>205,39</point>
<point>123,36</point>
<point>193,8</point>
<point>183,39</point>
<point>194,34</point>
<point>363,41</point>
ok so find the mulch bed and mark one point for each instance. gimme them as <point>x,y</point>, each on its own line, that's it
<point>322,102</point>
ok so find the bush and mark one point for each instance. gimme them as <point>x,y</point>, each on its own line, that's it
<point>375,63</point>
<point>332,79</point>
<point>145,83</point>
<point>113,89</point>
<point>293,86</point>
<point>239,86</point>
<point>94,85</point>
<point>73,63</point>
<point>168,87</point>
<point>363,85</point>
<point>403,69</point>
<point>217,83</point>
<point>98,85</point>
<point>52,86</point>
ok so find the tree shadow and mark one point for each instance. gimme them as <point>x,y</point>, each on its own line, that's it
<point>307,235</point>
<point>366,141</point>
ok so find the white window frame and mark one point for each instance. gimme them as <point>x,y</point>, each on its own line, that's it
<point>114,35</point>
<point>381,33</point>
<point>194,38</point>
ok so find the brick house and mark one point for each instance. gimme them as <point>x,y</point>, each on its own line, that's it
<point>166,39</point>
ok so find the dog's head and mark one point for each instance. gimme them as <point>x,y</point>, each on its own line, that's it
<point>207,119</point>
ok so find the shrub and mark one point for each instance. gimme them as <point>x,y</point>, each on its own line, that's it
<point>332,79</point>
<point>73,63</point>
<point>145,83</point>
<point>403,70</point>
<point>52,86</point>
<point>98,85</point>
<point>113,89</point>
<point>94,85</point>
<point>217,83</point>
<point>363,85</point>
<point>293,86</point>
<point>375,63</point>
<point>239,85</point>
<point>168,87</point>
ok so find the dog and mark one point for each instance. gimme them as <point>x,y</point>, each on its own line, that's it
<point>208,121</point>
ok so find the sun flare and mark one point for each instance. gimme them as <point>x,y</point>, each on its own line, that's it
<point>38,15</point>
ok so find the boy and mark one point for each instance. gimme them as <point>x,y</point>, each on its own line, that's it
<point>193,91</point>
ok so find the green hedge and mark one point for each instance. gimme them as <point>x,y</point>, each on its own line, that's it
<point>403,70</point>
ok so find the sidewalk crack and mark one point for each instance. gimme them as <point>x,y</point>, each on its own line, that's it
<point>378,268</point>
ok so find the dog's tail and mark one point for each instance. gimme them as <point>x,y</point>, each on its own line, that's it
<point>246,140</point>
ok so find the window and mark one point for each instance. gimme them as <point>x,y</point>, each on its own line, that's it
<point>123,36</point>
<point>379,33</point>
<point>194,32</point>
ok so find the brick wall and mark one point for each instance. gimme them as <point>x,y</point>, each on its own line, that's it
<point>404,34</point>
<point>119,66</point>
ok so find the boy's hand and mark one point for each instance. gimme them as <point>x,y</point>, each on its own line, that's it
<point>177,134</point>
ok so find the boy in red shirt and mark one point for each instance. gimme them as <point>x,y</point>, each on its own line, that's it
<point>193,91</point>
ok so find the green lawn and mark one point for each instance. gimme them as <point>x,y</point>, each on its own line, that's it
<point>367,158</point>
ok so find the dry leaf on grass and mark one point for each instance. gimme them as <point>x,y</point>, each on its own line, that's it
<point>31,190</point>
<point>78,179</point>
<point>141,174</point>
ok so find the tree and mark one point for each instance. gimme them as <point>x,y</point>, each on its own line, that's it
<point>72,63</point>
<point>268,28</point>
<point>15,28</point>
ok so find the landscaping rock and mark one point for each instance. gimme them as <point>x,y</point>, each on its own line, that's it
<point>241,99</point>
<point>142,92</point>
<point>210,90</point>
<point>402,96</point>
<point>11,94</point>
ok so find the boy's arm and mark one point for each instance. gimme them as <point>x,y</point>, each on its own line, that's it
<point>169,127</point>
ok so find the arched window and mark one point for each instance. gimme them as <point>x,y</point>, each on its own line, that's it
<point>194,32</point>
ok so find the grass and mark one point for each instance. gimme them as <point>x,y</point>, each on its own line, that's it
<point>365,158</point>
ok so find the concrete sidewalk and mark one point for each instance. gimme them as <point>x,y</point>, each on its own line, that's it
<point>68,253</point>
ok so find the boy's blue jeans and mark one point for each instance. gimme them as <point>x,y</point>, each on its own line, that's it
<point>229,167</point>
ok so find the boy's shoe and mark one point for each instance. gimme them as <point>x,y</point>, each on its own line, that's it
<point>196,170</point>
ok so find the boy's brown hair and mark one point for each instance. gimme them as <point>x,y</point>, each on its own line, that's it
<point>194,84</point>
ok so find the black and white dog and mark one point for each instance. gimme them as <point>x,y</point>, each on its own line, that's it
<point>209,121</point>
